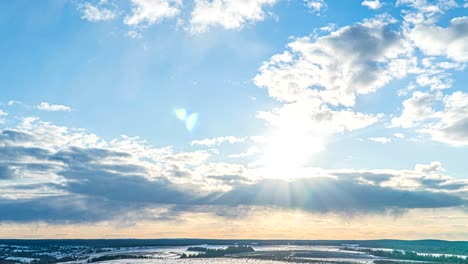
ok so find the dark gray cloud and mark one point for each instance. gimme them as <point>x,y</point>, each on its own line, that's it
<point>123,187</point>
<point>80,155</point>
<point>65,209</point>
<point>375,178</point>
<point>16,153</point>
<point>9,136</point>
<point>333,195</point>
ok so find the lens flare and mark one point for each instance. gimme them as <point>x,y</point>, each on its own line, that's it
<point>181,114</point>
<point>190,120</point>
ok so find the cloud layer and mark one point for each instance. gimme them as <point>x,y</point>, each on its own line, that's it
<point>66,175</point>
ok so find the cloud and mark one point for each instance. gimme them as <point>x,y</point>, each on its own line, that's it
<point>351,61</point>
<point>134,34</point>
<point>79,177</point>
<point>149,12</point>
<point>250,152</point>
<point>13,102</point>
<point>451,123</point>
<point>53,107</point>
<point>372,4</point>
<point>317,80</point>
<point>228,14</point>
<point>55,210</point>
<point>439,6</point>
<point>333,195</point>
<point>95,13</point>
<point>217,141</point>
<point>451,41</point>
<point>123,174</point>
<point>399,135</point>
<point>448,125</point>
<point>434,167</point>
<point>415,110</point>
<point>316,6</point>
<point>382,140</point>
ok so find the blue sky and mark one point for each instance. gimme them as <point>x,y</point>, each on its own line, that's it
<point>285,92</point>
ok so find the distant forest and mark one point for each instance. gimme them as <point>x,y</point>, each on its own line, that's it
<point>430,246</point>
<point>409,255</point>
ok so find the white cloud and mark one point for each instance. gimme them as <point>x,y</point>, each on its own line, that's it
<point>448,125</point>
<point>53,107</point>
<point>228,14</point>
<point>134,34</point>
<point>372,4</point>
<point>435,82</point>
<point>250,152</point>
<point>451,41</point>
<point>438,6</point>
<point>217,141</point>
<point>13,102</point>
<point>328,28</point>
<point>451,123</point>
<point>316,6</point>
<point>95,13</point>
<point>434,73</point>
<point>382,140</point>
<point>336,68</point>
<point>321,120</point>
<point>416,109</point>
<point>399,135</point>
<point>434,167</point>
<point>317,82</point>
<point>149,12</point>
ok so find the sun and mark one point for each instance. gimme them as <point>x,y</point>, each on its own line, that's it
<point>287,151</point>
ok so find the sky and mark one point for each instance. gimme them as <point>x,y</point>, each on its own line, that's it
<point>271,119</point>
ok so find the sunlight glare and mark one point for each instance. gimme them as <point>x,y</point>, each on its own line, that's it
<point>288,151</point>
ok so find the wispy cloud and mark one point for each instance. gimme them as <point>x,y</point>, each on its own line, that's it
<point>217,141</point>
<point>228,14</point>
<point>53,107</point>
<point>96,13</point>
<point>316,6</point>
<point>382,140</point>
<point>372,4</point>
<point>149,12</point>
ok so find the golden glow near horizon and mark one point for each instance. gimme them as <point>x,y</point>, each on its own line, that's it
<point>414,224</point>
